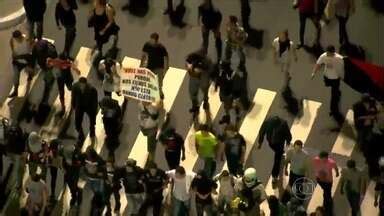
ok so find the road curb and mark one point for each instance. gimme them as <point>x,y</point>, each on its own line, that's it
<point>12,19</point>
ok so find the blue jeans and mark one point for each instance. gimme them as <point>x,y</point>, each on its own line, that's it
<point>179,207</point>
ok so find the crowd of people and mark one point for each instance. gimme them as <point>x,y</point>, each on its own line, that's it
<point>177,191</point>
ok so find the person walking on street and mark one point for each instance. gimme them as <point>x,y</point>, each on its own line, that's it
<point>352,184</point>
<point>333,71</point>
<point>173,147</point>
<point>278,134</point>
<point>211,18</point>
<point>37,199</point>
<point>284,52</point>
<point>299,162</point>
<point>34,11</point>
<point>84,100</point>
<point>181,181</point>
<point>102,19</point>
<point>203,186</point>
<point>234,149</point>
<point>199,68</point>
<point>308,9</point>
<point>342,9</point>
<point>236,38</point>
<point>206,145</point>
<point>110,70</point>
<point>155,58</point>
<point>21,48</point>
<point>65,16</point>
<point>226,191</point>
<point>323,167</point>
<point>149,117</point>
<point>155,181</point>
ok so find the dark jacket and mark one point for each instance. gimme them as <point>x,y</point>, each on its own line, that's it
<point>110,108</point>
<point>277,131</point>
<point>35,9</point>
<point>86,100</point>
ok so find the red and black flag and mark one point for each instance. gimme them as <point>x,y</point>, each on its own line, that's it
<point>364,77</point>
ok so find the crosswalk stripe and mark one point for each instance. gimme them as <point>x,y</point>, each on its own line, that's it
<point>172,82</point>
<point>100,135</point>
<point>344,145</point>
<point>342,142</point>
<point>254,119</point>
<point>367,208</point>
<point>300,130</point>
<point>189,144</point>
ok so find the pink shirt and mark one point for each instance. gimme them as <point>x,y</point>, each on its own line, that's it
<point>323,168</point>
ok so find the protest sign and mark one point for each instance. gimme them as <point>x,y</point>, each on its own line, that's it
<point>140,84</point>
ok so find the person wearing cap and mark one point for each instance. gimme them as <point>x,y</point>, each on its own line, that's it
<point>73,161</point>
<point>333,71</point>
<point>234,149</point>
<point>250,193</point>
<point>181,181</point>
<point>206,145</point>
<point>364,116</point>
<point>37,199</point>
<point>203,187</point>
<point>226,191</point>
<point>323,167</point>
<point>149,120</point>
<point>278,135</point>
<point>84,100</point>
<point>173,147</point>
<point>21,48</point>
<point>133,181</point>
<point>353,184</point>
<point>155,181</point>
<point>112,117</point>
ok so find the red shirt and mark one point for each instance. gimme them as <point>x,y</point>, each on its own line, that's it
<point>323,168</point>
<point>307,6</point>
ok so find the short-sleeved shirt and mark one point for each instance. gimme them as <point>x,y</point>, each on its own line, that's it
<point>156,182</point>
<point>286,55</point>
<point>132,181</point>
<point>207,144</point>
<point>234,145</point>
<point>299,161</point>
<point>333,65</point>
<point>156,54</point>
<point>323,169</point>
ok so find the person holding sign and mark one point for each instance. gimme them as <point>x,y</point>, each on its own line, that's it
<point>155,58</point>
<point>149,117</point>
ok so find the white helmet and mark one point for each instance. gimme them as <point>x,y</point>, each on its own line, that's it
<point>250,177</point>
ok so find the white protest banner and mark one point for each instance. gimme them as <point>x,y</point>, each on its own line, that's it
<point>140,84</point>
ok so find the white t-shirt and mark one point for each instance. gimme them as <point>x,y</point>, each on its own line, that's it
<point>111,84</point>
<point>333,65</point>
<point>35,190</point>
<point>299,161</point>
<point>181,187</point>
<point>286,56</point>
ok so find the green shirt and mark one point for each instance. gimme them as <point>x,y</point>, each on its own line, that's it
<point>206,143</point>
